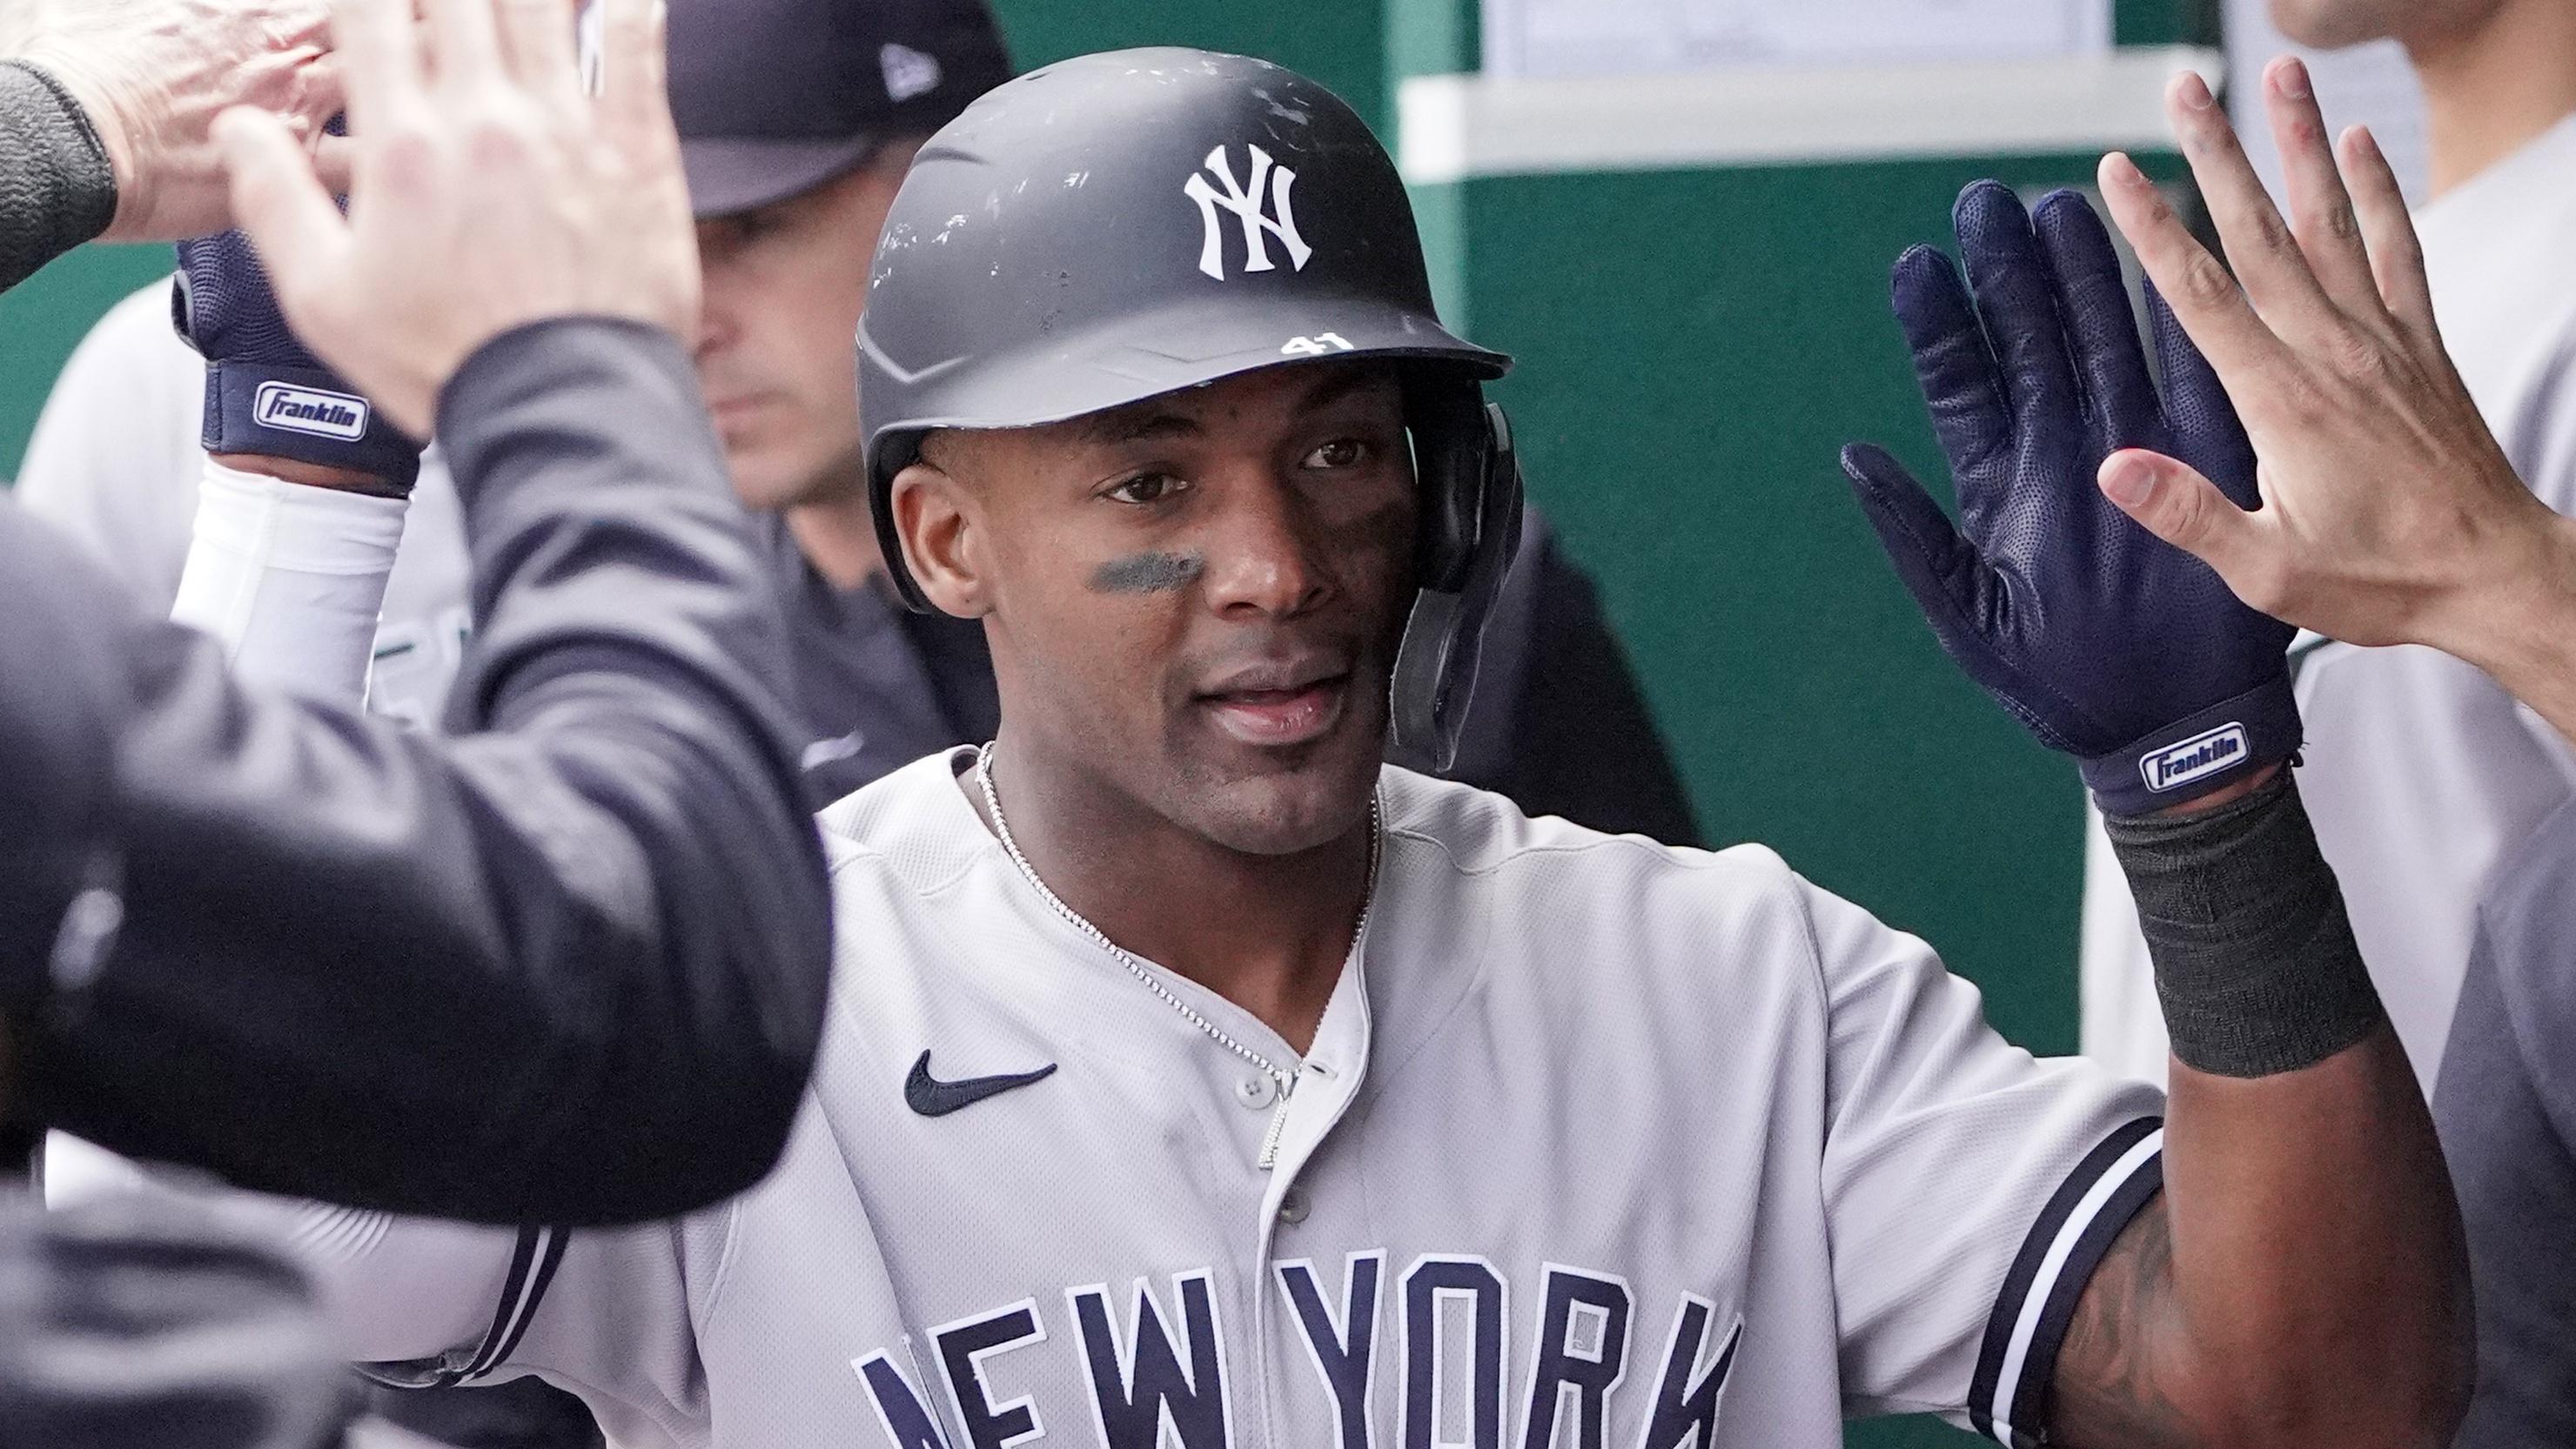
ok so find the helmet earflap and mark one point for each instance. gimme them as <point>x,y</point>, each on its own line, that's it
<point>1453,447</point>
<point>1469,533</point>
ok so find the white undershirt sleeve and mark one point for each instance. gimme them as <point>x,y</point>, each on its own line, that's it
<point>289,579</point>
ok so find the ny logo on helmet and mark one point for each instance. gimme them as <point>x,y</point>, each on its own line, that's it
<point>1245,201</point>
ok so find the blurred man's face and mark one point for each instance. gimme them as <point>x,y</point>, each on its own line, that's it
<point>777,354</point>
<point>2330,24</point>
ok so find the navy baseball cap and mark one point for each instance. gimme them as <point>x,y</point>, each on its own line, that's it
<point>776,97</point>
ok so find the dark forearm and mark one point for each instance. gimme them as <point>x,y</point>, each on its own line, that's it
<point>56,187</point>
<point>570,969</point>
<point>623,617</point>
<point>497,979</point>
<point>2303,1279</point>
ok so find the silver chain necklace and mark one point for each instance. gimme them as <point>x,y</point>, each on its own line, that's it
<point>1281,1078</point>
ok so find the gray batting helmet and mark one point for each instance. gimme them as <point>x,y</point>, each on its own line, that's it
<point>1120,226</point>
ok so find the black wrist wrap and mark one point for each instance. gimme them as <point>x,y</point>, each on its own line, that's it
<point>2254,956</point>
<point>56,187</point>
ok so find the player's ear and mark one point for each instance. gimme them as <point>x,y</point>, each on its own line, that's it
<point>936,517</point>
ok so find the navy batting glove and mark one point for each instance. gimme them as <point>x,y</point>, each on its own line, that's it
<point>265,393</point>
<point>2108,643</point>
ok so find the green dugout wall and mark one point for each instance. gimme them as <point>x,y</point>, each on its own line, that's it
<point>1692,273</point>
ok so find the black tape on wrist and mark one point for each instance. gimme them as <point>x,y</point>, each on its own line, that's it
<point>2255,960</point>
<point>59,190</point>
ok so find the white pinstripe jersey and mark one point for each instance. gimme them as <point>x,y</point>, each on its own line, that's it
<point>1600,1142</point>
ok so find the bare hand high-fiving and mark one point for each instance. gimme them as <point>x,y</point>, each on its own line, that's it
<point>2389,514</point>
<point>487,191</point>
<point>152,75</point>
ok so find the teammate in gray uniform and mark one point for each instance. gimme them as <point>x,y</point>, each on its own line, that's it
<point>1198,1078</point>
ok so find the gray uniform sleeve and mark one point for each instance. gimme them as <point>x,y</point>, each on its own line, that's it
<point>1970,1189</point>
<point>56,188</point>
<point>569,968</point>
<point>2506,1108</point>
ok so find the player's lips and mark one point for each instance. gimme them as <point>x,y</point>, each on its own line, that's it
<point>729,409</point>
<point>1279,704</point>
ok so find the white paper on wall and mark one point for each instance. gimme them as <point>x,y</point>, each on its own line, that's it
<point>1594,37</point>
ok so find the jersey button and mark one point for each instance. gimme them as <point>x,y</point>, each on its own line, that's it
<point>1256,1092</point>
<point>1292,1206</point>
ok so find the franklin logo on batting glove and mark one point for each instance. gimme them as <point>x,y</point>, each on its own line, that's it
<point>311,411</point>
<point>2196,758</point>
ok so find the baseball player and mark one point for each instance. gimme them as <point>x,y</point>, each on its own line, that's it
<point>1196,1078</point>
<point>2422,772</point>
<point>797,118</point>
<point>2392,516</point>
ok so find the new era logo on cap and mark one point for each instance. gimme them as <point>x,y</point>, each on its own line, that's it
<point>775,97</point>
<point>311,411</point>
<point>908,72</point>
<point>2202,755</point>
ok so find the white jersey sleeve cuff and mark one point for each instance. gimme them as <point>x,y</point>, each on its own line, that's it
<point>2007,1399</point>
<point>289,579</point>
<point>532,1269</point>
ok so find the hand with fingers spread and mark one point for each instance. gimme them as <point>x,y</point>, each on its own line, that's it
<point>487,192</point>
<point>2387,512</point>
<point>2106,644</point>
<point>152,76</point>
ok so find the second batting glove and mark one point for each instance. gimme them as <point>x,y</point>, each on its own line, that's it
<point>265,394</point>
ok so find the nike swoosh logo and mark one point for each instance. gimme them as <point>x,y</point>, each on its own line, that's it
<point>835,750</point>
<point>932,1097</point>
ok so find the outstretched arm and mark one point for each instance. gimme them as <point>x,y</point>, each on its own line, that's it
<point>2331,1301</point>
<point>2301,1280</point>
<point>2288,1322</point>
<point>565,968</point>
<point>569,967</point>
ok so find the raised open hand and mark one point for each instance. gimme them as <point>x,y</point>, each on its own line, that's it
<point>488,190</point>
<point>152,76</point>
<point>2387,512</point>
<point>2108,645</point>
